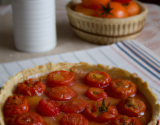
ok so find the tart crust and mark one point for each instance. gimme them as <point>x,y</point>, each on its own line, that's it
<point>41,70</point>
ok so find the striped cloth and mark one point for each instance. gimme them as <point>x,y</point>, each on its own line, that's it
<point>129,55</point>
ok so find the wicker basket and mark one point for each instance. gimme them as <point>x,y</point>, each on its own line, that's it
<point>106,31</point>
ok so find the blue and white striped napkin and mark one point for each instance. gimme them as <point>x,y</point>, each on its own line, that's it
<point>129,55</point>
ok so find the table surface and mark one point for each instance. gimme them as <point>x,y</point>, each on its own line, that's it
<point>67,41</point>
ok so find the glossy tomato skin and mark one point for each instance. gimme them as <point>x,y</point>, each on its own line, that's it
<point>131,107</point>
<point>98,79</point>
<point>32,88</point>
<point>73,119</point>
<point>15,105</point>
<point>122,1</point>
<point>121,89</point>
<point>96,94</point>
<point>118,11</point>
<point>132,8</point>
<point>94,4</point>
<point>60,93</point>
<point>74,106</point>
<point>93,112</point>
<point>29,118</point>
<point>86,11</point>
<point>59,78</point>
<point>48,107</point>
<point>125,120</point>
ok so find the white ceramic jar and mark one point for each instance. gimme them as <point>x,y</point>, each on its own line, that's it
<point>34,25</point>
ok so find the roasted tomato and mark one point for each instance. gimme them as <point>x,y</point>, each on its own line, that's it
<point>86,11</point>
<point>94,4</point>
<point>15,105</point>
<point>121,89</point>
<point>32,88</point>
<point>73,119</point>
<point>131,107</point>
<point>122,1</point>
<point>125,120</point>
<point>98,79</point>
<point>96,94</point>
<point>29,118</point>
<point>48,107</point>
<point>59,78</point>
<point>74,106</point>
<point>61,93</point>
<point>100,112</point>
<point>112,10</point>
<point>132,8</point>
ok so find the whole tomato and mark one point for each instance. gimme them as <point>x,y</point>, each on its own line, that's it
<point>112,10</point>
<point>94,4</point>
<point>82,9</point>
<point>132,8</point>
<point>122,1</point>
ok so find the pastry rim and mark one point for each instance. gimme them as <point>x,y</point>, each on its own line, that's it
<point>45,69</point>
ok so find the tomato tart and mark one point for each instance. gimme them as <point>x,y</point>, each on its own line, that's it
<point>77,94</point>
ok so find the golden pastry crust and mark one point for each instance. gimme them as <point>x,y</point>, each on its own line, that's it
<point>41,70</point>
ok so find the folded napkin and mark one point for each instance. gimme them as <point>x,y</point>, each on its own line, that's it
<point>129,55</point>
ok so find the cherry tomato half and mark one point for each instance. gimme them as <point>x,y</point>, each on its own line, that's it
<point>96,94</point>
<point>121,89</point>
<point>98,79</point>
<point>132,8</point>
<point>125,120</point>
<point>100,112</point>
<point>59,78</point>
<point>73,119</point>
<point>74,106</point>
<point>29,118</point>
<point>48,107</point>
<point>131,107</point>
<point>61,93</point>
<point>32,88</point>
<point>15,105</point>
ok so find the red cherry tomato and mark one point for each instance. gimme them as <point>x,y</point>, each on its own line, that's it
<point>131,107</point>
<point>15,105</point>
<point>29,118</point>
<point>74,106</point>
<point>59,78</point>
<point>61,93</point>
<point>48,107</point>
<point>122,1</point>
<point>121,89</point>
<point>125,120</point>
<point>96,94</point>
<point>100,112</point>
<point>98,79</point>
<point>73,119</point>
<point>32,88</point>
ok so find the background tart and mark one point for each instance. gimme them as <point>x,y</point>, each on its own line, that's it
<point>43,70</point>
